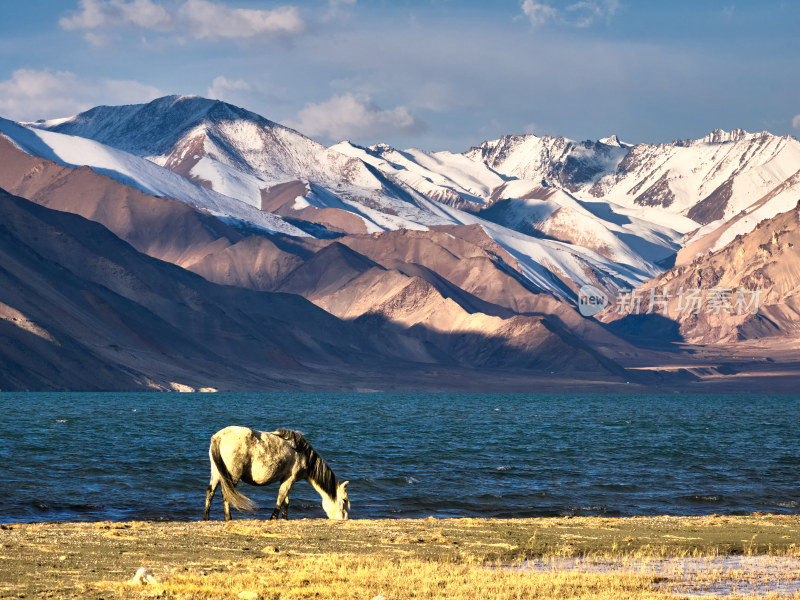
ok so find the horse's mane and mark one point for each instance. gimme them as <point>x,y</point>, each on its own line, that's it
<point>318,469</point>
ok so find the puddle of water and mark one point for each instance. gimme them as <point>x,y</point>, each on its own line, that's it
<point>719,575</point>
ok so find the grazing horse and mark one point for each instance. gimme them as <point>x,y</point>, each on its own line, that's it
<point>260,458</point>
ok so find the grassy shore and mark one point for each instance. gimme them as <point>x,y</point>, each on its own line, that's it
<point>396,559</point>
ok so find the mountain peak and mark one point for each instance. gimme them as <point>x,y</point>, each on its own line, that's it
<point>613,140</point>
<point>142,129</point>
<point>380,147</point>
<point>719,136</point>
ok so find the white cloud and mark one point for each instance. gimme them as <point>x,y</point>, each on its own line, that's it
<point>577,14</point>
<point>31,94</point>
<point>583,14</point>
<point>197,18</point>
<point>95,14</point>
<point>796,122</point>
<point>355,117</point>
<point>211,20</point>
<point>538,12</point>
<point>221,86</point>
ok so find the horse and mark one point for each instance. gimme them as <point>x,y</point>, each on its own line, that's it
<point>260,458</point>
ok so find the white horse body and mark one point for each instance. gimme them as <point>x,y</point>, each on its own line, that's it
<point>260,458</point>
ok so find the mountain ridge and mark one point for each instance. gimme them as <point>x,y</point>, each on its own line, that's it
<point>475,260</point>
<point>386,188</point>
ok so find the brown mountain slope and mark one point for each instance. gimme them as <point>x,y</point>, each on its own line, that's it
<point>76,301</point>
<point>160,227</point>
<point>80,309</point>
<point>460,263</point>
<point>702,246</point>
<point>423,304</point>
<point>749,289</point>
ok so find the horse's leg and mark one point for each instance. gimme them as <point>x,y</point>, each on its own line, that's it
<point>286,508</point>
<point>212,487</point>
<point>283,496</point>
<point>227,507</point>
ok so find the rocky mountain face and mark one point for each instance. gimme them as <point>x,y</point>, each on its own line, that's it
<point>254,257</point>
<point>748,290</point>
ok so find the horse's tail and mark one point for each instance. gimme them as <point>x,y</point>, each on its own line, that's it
<point>229,491</point>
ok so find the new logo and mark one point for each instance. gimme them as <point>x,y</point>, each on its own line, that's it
<point>591,300</point>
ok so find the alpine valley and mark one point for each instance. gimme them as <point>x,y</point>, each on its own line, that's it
<point>188,244</point>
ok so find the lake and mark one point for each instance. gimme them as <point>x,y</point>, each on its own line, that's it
<point>69,456</point>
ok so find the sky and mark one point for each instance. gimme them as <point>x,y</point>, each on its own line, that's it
<point>431,74</point>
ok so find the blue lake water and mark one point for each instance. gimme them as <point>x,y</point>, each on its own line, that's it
<point>145,456</point>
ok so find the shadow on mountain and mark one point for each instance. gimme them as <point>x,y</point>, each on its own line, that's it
<point>653,331</point>
<point>603,211</point>
<point>668,262</point>
<point>548,354</point>
<point>314,229</point>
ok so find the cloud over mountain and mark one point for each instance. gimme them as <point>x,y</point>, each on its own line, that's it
<point>222,85</point>
<point>31,94</point>
<point>350,116</point>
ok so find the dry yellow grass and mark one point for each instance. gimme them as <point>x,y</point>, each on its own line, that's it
<point>475,559</point>
<point>349,577</point>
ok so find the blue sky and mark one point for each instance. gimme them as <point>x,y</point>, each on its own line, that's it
<point>434,74</point>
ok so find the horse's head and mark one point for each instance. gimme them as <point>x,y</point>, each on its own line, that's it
<point>338,508</point>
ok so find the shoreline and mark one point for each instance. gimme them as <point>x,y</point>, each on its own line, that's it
<point>210,559</point>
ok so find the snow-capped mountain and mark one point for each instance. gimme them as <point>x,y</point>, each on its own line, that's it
<point>446,260</point>
<point>555,160</point>
<point>755,278</point>
<point>274,169</point>
<point>604,212</point>
<point>694,186</point>
<point>528,206</point>
<point>452,179</point>
<point>245,156</point>
<point>140,173</point>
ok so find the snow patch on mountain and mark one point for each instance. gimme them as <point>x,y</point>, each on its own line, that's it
<point>442,176</point>
<point>558,267</point>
